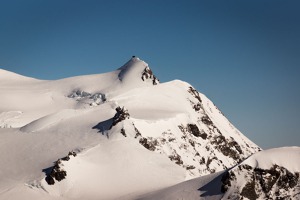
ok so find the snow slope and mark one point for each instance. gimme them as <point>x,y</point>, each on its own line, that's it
<point>131,135</point>
<point>270,174</point>
<point>255,178</point>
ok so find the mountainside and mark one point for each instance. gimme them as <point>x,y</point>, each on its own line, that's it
<point>114,135</point>
<point>269,174</point>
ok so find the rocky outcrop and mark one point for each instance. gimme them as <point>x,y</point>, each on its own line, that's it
<point>57,172</point>
<point>120,116</point>
<point>274,183</point>
<point>148,74</point>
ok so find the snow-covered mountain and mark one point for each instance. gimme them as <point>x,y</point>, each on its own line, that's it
<point>116,135</point>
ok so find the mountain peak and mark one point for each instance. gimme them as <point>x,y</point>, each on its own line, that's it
<point>137,69</point>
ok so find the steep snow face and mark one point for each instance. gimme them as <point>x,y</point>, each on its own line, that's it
<point>190,131</point>
<point>270,174</point>
<point>128,131</point>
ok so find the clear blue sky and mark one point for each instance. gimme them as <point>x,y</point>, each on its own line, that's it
<point>244,55</point>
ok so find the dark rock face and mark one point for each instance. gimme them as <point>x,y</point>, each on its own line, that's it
<point>121,115</point>
<point>195,93</point>
<point>198,105</point>
<point>148,74</point>
<point>57,172</point>
<point>149,143</point>
<point>194,130</point>
<point>248,190</point>
<point>206,120</point>
<point>226,180</point>
<point>274,183</point>
<point>228,147</point>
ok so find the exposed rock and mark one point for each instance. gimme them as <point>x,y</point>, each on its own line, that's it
<point>195,93</point>
<point>123,132</point>
<point>206,120</point>
<point>189,167</point>
<point>121,115</point>
<point>148,74</point>
<point>137,132</point>
<point>202,161</point>
<point>78,94</point>
<point>226,180</point>
<point>192,129</point>
<point>175,157</point>
<point>57,172</point>
<point>274,183</point>
<point>227,147</point>
<point>88,98</point>
<point>248,190</point>
<point>149,143</point>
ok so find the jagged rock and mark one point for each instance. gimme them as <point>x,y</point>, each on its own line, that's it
<point>50,180</point>
<point>248,190</point>
<point>206,120</point>
<point>193,129</point>
<point>190,167</point>
<point>148,74</point>
<point>57,172</point>
<point>121,115</point>
<point>202,161</point>
<point>72,153</point>
<point>195,93</point>
<point>149,143</point>
<point>274,183</point>
<point>226,180</point>
<point>227,147</point>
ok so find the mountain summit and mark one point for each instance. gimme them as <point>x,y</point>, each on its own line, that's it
<point>117,135</point>
<point>136,68</point>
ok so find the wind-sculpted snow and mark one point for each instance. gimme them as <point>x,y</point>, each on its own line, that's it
<point>135,135</point>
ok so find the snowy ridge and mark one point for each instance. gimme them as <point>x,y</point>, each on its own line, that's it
<point>12,77</point>
<point>125,127</point>
<point>270,174</point>
<point>276,180</point>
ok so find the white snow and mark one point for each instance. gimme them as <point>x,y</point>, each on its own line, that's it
<point>47,122</point>
<point>289,157</point>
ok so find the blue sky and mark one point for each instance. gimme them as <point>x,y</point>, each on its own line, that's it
<point>244,55</point>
